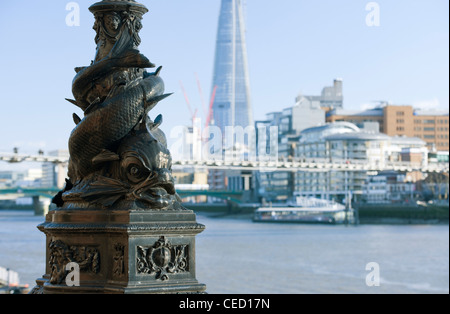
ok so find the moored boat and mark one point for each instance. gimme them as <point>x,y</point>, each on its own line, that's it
<point>306,210</point>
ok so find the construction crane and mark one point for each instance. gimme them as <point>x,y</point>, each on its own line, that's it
<point>201,95</point>
<point>193,114</point>
<point>207,111</point>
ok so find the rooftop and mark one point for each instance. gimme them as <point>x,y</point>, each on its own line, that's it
<point>367,112</point>
<point>359,136</point>
<point>430,112</point>
<point>378,111</point>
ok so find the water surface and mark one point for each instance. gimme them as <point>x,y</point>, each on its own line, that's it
<point>237,256</point>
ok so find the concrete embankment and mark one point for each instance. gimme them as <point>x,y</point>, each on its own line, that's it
<point>378,214</point>
<point>403,214</point>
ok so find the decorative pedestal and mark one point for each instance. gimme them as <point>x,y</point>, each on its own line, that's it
<point>120,252</point>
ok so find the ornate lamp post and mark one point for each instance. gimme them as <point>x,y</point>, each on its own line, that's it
<point>119,226</point>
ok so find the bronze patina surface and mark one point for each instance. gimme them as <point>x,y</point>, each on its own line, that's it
<point>118,155</point>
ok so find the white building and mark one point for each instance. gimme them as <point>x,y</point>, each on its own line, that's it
<point>388,187</point>
<point>54,175</point>
<point>29,178</point>
<point>332,97</point>
<point>345,142</point>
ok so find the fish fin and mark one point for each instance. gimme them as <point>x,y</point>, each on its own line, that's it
<point>76,119</point>
<point>135,59</point>
<point>152,102</point>
<point>105,191</point>
<point>157,123</point>
<point>74,102</point>
<point>158,71</point>
<point>105,156</point>
<point>92,106</point>
<point>79,69</point>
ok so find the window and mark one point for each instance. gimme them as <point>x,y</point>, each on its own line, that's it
<point>427,136</point>
<point>400,121</point>
<point>400,113</point>
<point>429,121</point>
<point>417,128</point>
<point>428,129</point>
<point>417,121</point>
<point>400,128</point>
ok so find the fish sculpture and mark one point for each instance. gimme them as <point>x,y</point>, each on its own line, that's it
<point>118,155</point>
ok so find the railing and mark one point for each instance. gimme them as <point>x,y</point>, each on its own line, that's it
<point>282,164</point>
<point>313,165</point>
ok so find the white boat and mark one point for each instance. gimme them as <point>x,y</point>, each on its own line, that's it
<point>306,210</point>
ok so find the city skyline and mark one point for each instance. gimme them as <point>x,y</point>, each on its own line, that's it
<point>301,49</point>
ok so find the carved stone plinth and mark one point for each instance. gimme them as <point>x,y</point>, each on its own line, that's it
<point>120,252</point>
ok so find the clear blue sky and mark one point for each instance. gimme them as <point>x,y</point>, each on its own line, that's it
<point>293,46</point>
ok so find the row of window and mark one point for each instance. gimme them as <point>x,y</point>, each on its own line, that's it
<point>427,121</point>
<point>432,137</point>
<point>431,129</point>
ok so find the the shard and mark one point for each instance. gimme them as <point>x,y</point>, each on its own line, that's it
<point>231,85</point>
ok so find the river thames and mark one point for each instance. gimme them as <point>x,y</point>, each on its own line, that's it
<point>237,256</point>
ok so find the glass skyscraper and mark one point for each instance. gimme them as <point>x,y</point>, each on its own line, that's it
<point>232,105</point>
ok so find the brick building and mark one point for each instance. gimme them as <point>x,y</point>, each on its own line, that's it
<point>430,126</point>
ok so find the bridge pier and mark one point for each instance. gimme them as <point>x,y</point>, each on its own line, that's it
<point>40,208</point>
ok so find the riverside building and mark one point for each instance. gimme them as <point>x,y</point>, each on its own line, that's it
<point>431,126</point>
<point>340,142</point>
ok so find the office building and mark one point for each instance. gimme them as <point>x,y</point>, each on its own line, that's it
<point>332,97</point>
<point>54,175</point>
<point>389,187</point>
<point>231,84</point>
<point>345,142</point>
<point>428,125</point>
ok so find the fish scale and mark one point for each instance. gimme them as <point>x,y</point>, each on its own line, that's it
<point>114,119</point>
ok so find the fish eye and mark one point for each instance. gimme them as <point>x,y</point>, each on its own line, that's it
<point>134,170</point>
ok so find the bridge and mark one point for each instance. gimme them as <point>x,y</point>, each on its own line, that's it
<point>15,158</point>
<point>311,165</point>
<point>294,165</point>
<point>233,197</point>
<point>236,197</point>
<point>40,208</point>
<point>41,192</point>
